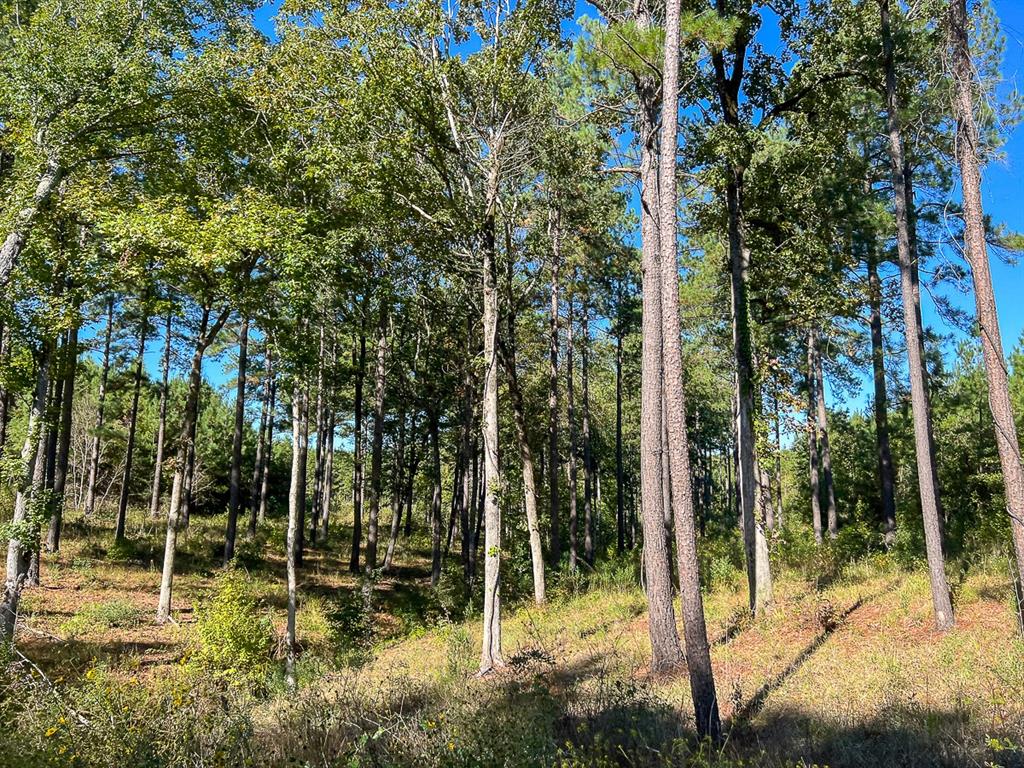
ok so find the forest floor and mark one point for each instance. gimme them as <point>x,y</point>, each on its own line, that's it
<point>846,673</point>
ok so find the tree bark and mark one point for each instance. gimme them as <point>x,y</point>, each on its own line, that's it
<point>296,502</point>
<point>570,417</point>
<point>812,443</point>
<point>261,447</point>
<point>553,413</point>
<point>33,465</point>
<point>695,636</point>
<point>122,505</point>
<point>589,486</point>
<point>94,452</point>
<point>397,490</point>
<point>968,157</point>
<point>359,362</point>
<point>927,475</point>
<point>886,474</point>
<point>377,449</point>
<point>158,464</point>
<point>268,462</point>
<point>620,509</point>
<point>64,449</point>
<point>186,448</point>
<point>327,488</point>
<point>235,492</point>
<point>16,239</point>
<point>826,449</point>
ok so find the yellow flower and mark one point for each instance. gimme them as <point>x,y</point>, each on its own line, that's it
<point>50,731</point>
<point>451,746</point>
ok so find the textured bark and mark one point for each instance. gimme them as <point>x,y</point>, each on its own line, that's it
<point>821,415</point>
<point>812,444</point>
<point>60,477</point>
<point>620,486</point>
<point>589,486</point>
<point>261,448</point>
<point>359,362</point>
<point>666,653</point>
<point>377,448</point>
<point>94,451</point>
<point>435,500</point>
<point>158,464</point>
<point>185,456</point>
<point>17,237</point>
<point>235,481</point>
<point>265,482</point>
<point>695,636</point>
<point>6,399</point>
<point>886,473</point>
<point>926,471</point>
<point>321,427</point>
<point>570,417</point>
<point>296,502</point>
<point>967,151</point>
<point>397,489</point>
<point>31,483</point>
<point>126,478</point>
<point>490,654</point>
<point>553,412</point>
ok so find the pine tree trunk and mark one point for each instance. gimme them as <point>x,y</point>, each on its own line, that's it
<point>377,449</point>
<point>812,442</point>
<point>235,481</point>
<point>126,479</point>
<point>158,464</point>
<point>620,489</point>
<point>826,450</point>
<point>359,362</point>
<point>968,157</point>
<point>94,452</point>
<point>927,475</point>
<point>695,636</point>
<point>33,460</point>
<point>589,487</point>
<point>63,452</point>
<point>185,456</point>
<point>553,412</point>
<point>570,417</point>
<point>886,474</point>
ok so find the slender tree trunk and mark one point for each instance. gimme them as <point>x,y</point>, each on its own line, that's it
<point>126,480</point>
<point>968,156</point>
<point>5,396</point>
<point>31,483</point>
<point>296,501</point>
<point>16,238</point>
<point>235,492</point>
<point>321,428</point>
<point>269,460</point>
<point>397,490</point>
<point>377,450</point>
<point>435,501</point>
<point>186,449</point>
<point>666,654</point>
<point>570,416</point>
<point>261,449</point>
<point>826,450</point>
<point>158,464</point>
<point>327,489</point>
<point>589,486</point>
<point>553,413</point>
<point>94,452</point>
<point>886,474</point>
<point>812,443</point>
<point>695,636</point>
<point>620,509</point>
<point>490,655</point>
<point>359,362</point>
<point>927,475</point>
<point>63,452</point>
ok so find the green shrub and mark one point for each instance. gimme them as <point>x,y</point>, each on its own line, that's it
<point>100,616</point>
<point>234,635</point>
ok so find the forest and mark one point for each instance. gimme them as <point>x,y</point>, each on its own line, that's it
<point>511,383</point>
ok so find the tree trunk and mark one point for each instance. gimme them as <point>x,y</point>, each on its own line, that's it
<point>553,413</point>
<point>490,655</point>
<point>826,450</point>
<point>620,509</point>
<point>32,463</point>
<point>60,477</point>
<point>94,452</point>
<point>296,502</point>
<point>589,486</point>
<point>327,488</point>
<point>695,636</point>
<point>812,442</point>
<point>5,395</point>
<point>359,362</point>
<point>158,464</point>
<point>126,480</point>
<point>570,416</point>
<point>886,474</point>
<point>397,489</point>
<point>186,449</point>
<point>321,428</point>
<point>377,454</point>
<point>435,500</point>
<point>268,462</point>
<point>15,241</point>
<point>261,448</point>
<point>235,493</point>
<point>967,150</point>
<point>927,475</point>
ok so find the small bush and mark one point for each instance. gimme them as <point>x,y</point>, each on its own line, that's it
<point>234,634</point>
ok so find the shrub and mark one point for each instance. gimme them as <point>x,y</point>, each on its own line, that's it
<point>234,634</point>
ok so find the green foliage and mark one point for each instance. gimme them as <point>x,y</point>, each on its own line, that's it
<point>101,616</point>
<point>233,635</point>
